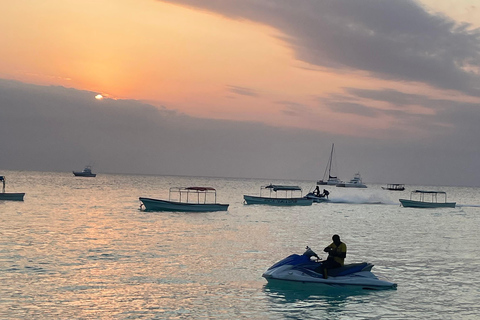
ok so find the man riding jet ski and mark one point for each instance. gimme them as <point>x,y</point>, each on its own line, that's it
<point>301,269</point>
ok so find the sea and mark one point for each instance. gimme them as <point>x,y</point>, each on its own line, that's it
<point>81,248</point>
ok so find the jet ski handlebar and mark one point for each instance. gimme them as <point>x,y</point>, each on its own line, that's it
<point>310,253</point>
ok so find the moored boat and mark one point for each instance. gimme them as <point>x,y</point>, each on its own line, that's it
<point>356,182</point>
<point>274,200</point>
<point>394,187</point>
<point>329,179</point>
<point>86,172</point>
<point>12,196</point>
<point>187,199</point>
<point>431,202</point>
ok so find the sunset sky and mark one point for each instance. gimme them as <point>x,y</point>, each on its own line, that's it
<point>392,79</point>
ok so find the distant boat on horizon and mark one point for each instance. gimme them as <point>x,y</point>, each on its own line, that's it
<point>394,187</point>
<point>86,172</point>
<point>356,182</point>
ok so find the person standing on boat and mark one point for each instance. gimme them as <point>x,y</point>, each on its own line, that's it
<point>337,251</point>
<point>325,193</point>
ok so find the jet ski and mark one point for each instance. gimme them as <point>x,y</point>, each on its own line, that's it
<point>301,269</point>
<point>316,198</point>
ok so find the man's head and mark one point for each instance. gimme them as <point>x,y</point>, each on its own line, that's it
<point>336,239</point>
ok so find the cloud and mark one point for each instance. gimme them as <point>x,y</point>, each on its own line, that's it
<point>62,129</point>
<point>396,40</point>
<point>243,91</point>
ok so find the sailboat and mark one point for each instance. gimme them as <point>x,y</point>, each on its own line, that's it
<point>331,180</point>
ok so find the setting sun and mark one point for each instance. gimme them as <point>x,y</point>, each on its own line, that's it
<point>99,97</point>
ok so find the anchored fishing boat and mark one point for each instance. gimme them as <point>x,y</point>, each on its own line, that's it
<point>427,199</point>
<point>274,200</point>
<point>187,199</point>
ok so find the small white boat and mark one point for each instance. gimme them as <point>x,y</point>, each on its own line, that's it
<point>356,182</point>
<point>429,203</point>
<point>329,180</point>
<point>86,172</point>
<point>394,187</point>
<point>274,200</point>
<point>188,199</point>
<point>13,196</point>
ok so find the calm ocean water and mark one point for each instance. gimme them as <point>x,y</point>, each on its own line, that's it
<point>80,248</point>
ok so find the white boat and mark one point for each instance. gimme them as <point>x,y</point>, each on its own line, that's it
<point>187,199</point>
<point>329,180</point>
<point>356,182</point>
<point>86,172</point>
<point>394,187</point>
<point>428,203</point>
<point>13,196</point>
<point>274,200</point>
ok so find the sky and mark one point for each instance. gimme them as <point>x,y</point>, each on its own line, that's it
<point>248,89</point>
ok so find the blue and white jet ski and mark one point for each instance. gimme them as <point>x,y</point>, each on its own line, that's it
<point>301,269</point>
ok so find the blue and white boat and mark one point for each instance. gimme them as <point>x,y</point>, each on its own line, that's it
<point>301,270</point>
<point>287,198</point>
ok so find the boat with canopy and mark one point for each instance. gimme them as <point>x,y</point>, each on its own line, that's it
<point>186,199</point>
<point>287,197</point>
<point>394,187</point>
<point>427,199</point>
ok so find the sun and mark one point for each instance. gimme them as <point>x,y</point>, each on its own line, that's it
<point>99,97</point>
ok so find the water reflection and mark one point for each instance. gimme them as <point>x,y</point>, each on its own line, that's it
<point>304,301</point>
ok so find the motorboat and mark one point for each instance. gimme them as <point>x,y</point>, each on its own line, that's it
<point>86,172</point>
<point>329,179</point>
<point>186,199</point>
<point>425,202</point>
<point>394,187</point>
<point>287,197</point>
<point>300,269</point>
<point>356,182</point>
<point>13,196</point>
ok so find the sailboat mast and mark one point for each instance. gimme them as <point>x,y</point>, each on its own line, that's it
<point>330,161</point>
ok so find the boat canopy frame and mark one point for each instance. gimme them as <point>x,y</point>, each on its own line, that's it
<point>277,187</point>
<point>188,192</point>
<point>434,194</point>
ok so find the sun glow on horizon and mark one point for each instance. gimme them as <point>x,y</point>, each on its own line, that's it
<point>99,97</point>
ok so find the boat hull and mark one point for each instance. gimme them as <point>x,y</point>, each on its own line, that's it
<point>422,204</point>
<point>351,185</point>
<point>278,201</point>
<point>363,279</point>
<point>164,205</point>
<point>332,182</point>
<point>83,174</point>
<point>12,196</point>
